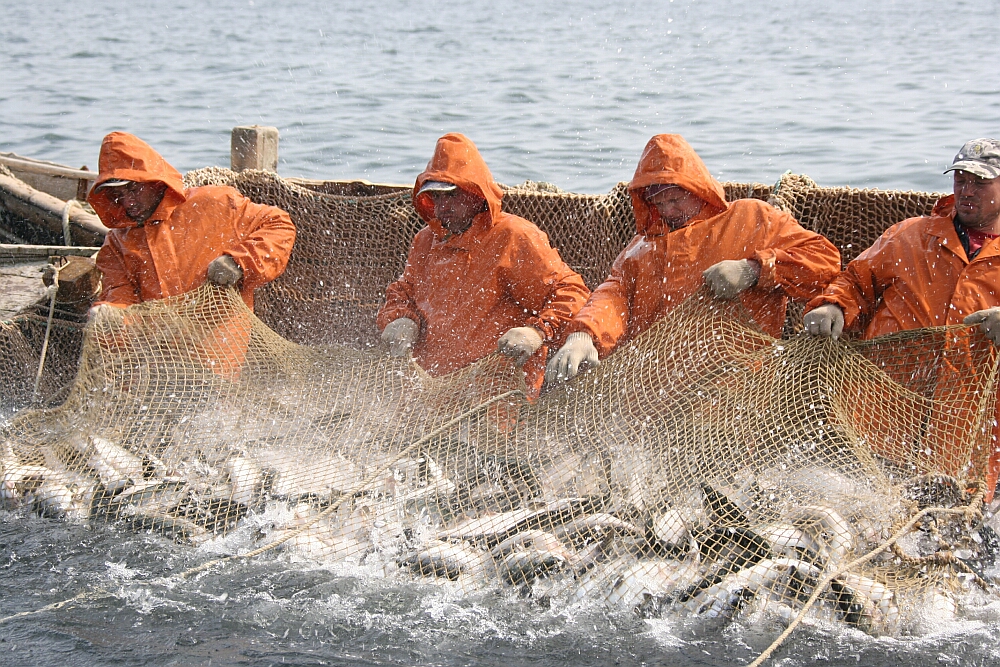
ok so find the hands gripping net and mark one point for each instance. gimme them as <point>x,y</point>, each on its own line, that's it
<point>705,468</point>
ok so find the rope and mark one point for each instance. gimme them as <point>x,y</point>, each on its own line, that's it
<point>53,290</point>
<point>974,507</point>
<point>54,605</point>
<point>67,237</point>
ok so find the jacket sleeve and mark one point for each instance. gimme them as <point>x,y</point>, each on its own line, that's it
<point>399,300</point>
<point>795,259</point>
<point>117,286</point>
<point>543,284</point>
<point>858,289</point>
<point>606,314</point>
<point>267,235</point>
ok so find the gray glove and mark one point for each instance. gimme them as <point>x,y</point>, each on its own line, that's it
<point>105,312</point>
<point>730,277</point>
<point>224,271</point>
<point>567,362</point>
<point>826,320</point>
<point>400,334</point>
<point>520,343</point>
<point>988,321</point>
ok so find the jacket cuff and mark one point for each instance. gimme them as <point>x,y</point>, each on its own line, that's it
<point>547,330</point>
<point>768,278</point>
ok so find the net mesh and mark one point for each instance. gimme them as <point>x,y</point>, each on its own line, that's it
<point>704,468</point>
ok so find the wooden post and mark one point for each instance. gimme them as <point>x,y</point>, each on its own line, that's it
<point>254,147</point>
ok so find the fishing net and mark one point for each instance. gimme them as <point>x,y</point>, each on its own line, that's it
<point>705,467</point>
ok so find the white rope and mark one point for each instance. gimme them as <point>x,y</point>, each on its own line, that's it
<point>53,291</point>
<point>67,237</point>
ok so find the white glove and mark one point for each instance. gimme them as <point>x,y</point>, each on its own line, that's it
<point>578,350</point>
<point>730,277</point>
<point>520,343</point>
<point>400,334</point>
<point>224,271</point>
<point>826,320</point>
<point>988,321</point>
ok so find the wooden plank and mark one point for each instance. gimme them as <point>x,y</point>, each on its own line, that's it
<point>38,167</point>
<point>46,211</point>
<point>22,251</point>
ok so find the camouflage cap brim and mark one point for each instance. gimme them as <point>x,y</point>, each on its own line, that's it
<point>980,157</point>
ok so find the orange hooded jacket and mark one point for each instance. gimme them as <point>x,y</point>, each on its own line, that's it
<point>660,268</point>
<point>917,275</point>
<point>466,290</point>
<point>169,254</point>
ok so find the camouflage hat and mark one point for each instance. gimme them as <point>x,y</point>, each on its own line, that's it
<point>980,157</point>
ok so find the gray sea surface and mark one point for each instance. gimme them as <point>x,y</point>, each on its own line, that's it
<point>849,93</point>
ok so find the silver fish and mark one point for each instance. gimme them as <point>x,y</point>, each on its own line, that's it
<point>445,559</point>
<point>784,578</point>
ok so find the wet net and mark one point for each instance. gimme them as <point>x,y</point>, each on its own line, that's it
<point>705,468</point>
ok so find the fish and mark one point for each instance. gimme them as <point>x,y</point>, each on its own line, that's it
<point>865,603</point>
<point>727,550</point>
<point>445,559</point>
<point>596,527</point>
<point>115,467</point>
<point>177,528</point>
<point>522,566</point>
<point>52,500</point>
<point>648,586</point>
<point>293,474</point>
<point>489,530</point>
<point>246,482</point>
<point>788,541</point>
<point>782,578</point>
<point>152,496</point>
<point>828,527</point>
<point>671,529</point>
<point>17,481</point>
<point>722,510</point>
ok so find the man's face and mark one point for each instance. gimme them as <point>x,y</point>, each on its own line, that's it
<point>456,208</point>
<point>977,201</point>
<point>676,206</point>
<point>138,200</point>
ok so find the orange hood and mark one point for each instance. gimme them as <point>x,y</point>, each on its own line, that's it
<point>457,160</point>
<point>127,157</point>
<point>669,160</point>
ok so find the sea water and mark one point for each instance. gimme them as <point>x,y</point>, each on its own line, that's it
<point>849,93</point>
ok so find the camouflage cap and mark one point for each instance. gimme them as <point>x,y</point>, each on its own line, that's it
<point>980,157</point>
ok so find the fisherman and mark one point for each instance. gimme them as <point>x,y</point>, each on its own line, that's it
<point>928,271</point>
<point>477,279</point>
<point>687,235</point>
<point>166,239</point>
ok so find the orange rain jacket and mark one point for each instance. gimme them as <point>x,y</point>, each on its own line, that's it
<point>466,290</point>
<point>169,254</point>
<point>916,275</point>
<point>660,268</point>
